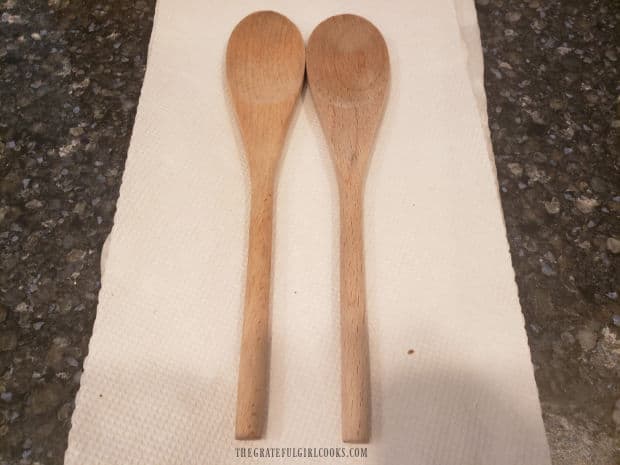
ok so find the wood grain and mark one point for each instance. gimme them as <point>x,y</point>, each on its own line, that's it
<point>348,73</point>
<point>265,71</point>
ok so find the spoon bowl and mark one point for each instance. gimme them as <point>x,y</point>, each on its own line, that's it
<point>358,56</point>
<point>264,59</point>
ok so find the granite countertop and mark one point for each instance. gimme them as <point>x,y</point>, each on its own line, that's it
<point>71,74</point>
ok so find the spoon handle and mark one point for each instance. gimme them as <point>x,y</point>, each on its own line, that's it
<point>354,332</point>
<point>255,339</point>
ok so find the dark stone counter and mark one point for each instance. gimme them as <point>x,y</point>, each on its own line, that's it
<point>551,75</point>
<point>70,76</point>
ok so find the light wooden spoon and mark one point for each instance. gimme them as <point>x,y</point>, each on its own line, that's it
<point>348,73</point>
<point>265,72</point>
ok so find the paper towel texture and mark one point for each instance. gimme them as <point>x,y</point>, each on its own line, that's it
<point>160,378</point>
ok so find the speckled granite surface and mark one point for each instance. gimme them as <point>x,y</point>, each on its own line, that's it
<point>70,76</point>
<point>551,73</point>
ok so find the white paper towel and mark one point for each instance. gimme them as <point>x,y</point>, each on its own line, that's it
<point>160,378</point>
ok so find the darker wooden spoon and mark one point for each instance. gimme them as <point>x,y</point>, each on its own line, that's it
<point>265,72</point>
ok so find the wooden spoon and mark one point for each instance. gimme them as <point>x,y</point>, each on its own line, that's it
<point>348,73</point>
<point>265,72</point>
